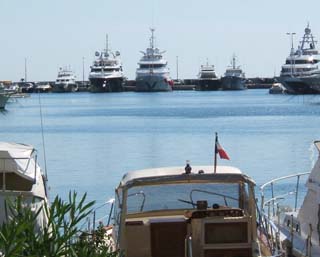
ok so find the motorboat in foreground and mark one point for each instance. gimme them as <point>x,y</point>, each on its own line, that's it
<point>21,176</point>
<point>295,229</point>
<point>186,211</point>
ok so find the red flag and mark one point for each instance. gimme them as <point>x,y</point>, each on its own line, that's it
<point>222,153</point>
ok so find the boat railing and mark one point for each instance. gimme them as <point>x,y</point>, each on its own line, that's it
<point>92,222</point>
<point>270,206</point>
<point>273,201</point>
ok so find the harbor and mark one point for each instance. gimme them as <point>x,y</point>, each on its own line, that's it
<point>159,129</point>
<point>130,85</point>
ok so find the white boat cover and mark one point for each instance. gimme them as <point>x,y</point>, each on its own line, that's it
<point>169,171</point>
<point>17,158</point>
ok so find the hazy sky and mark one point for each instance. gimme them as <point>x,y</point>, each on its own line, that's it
<point>56,33</point>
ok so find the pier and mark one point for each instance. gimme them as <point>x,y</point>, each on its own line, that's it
<point>129,85</point>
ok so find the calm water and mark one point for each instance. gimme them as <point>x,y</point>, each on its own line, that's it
<point>93,139</point>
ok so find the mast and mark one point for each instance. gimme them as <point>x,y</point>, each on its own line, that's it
<point>291,34</point>
<point>308,38</point>
<point>177,59</point>
<point>233,61</point>
<point>152,38</point>
<point>25,69</point>
<point>292,51</point>
<point>107,44</point>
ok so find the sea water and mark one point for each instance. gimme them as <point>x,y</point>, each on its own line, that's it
<point>91,140</point>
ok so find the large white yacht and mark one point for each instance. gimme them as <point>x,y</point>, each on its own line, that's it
<point>153,75</point>
<point>65,82</point>
<point>301,74</point>
<point>234,77</point>
<point>106,73</point>
<point>207,78</point>
<point>21,176</point>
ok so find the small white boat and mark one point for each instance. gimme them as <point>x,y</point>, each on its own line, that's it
<point>277,88</point>
<point>20,175</point>
<point>185,212</point>
<point>295,229</point>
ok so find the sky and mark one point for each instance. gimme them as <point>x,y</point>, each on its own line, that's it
<point>48,34</point>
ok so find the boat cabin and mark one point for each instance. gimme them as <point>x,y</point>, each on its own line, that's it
<point>178,212</point>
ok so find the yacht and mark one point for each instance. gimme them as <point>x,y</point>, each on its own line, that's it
<point>65,82</point>
<point>184,212</point>
<point>21,176</point>
<point>234,77</point>
<point>106,73</point>
<point>153,75</point>
<point>4,97</point>
<point>294,226</point>
<point>207,78</point>
<point>301,74</point>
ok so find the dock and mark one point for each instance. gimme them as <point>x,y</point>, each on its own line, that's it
<point>130,85</point>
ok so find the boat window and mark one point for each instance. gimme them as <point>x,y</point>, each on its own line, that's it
<point>184,196</point>
<point>147,66</point>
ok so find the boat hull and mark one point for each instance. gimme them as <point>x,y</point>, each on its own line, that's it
<point>64,88</point>
<point>232,83</point>
<point>301,85</point>
<point>3,100</point>
<point>208,84</point>
<point>152,83</point>
<point>102,85</point>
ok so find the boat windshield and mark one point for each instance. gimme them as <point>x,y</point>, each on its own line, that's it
<point>184,196</point>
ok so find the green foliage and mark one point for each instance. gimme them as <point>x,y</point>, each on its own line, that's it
<point>60,237</point>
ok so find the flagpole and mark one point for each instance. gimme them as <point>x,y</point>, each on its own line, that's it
<point>215,153</point>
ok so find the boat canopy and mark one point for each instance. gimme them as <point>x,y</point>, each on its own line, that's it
<point>178,174</point>
<point>17,158</point>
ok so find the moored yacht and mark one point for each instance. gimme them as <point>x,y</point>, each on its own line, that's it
<point>106,73</point>
<point>301,74</point>
<point>294,226</point>
<point>234,77</point>
<point>65,82</point>
<point>153,74</point>
<point>207,78</point>
<point>186,211</point>
<point>21,176</point>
